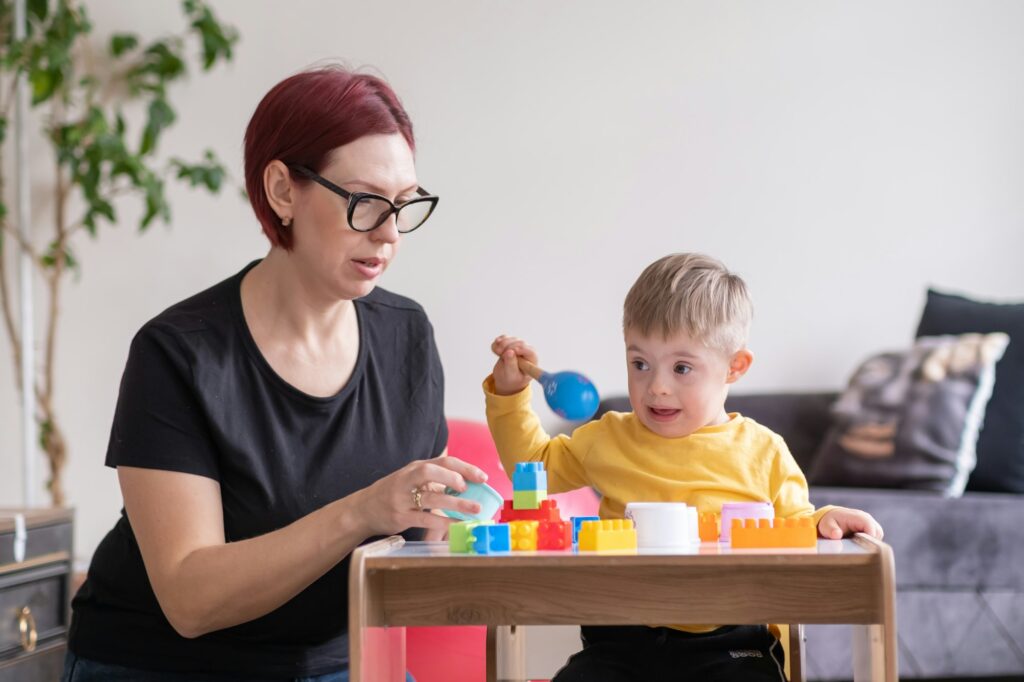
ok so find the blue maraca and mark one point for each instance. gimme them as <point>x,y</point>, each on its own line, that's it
<point>570,394</point>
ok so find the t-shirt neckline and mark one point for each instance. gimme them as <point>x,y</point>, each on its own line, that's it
<point>264,366</point>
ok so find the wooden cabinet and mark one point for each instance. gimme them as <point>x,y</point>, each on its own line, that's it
<point>35,584</point>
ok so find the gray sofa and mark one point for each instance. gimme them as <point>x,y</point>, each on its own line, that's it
<point>959,562</point>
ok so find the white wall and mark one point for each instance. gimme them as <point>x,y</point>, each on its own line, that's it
<point>840,156</point>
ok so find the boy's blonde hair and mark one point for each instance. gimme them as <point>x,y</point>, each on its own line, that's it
<point>694,294</point>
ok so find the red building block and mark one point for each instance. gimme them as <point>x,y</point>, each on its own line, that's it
<point>554,535</point>
<point>548,511</point>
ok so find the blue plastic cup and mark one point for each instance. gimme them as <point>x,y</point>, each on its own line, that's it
<point>489,499</point>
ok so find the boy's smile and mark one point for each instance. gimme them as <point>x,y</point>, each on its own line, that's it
<point>678,385</point>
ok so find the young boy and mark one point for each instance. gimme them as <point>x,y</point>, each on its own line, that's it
<point>685,322</point>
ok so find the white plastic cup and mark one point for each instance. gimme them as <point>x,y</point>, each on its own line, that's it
<point>692,525</point>
<point>661,525</point>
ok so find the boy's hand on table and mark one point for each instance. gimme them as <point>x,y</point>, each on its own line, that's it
<point>508,378</point>
<point>840,522</point>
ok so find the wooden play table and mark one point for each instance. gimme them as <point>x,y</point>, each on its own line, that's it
<point>394,583</point>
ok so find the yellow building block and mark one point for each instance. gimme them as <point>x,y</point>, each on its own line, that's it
<point>607,534</point>
<point>524,535</point>
<point>707,527</point>
<point>773,533</point>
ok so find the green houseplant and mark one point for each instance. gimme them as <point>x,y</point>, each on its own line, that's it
<point>98,158</point>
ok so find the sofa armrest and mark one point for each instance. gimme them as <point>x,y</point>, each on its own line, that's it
<point>974,542</point>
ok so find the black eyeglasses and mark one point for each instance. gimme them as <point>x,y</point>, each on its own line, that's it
<point>367,211</point>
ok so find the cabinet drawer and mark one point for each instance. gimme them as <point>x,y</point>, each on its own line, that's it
<point>45,664</point>
<point>43,590</point>
<point>39,541</point>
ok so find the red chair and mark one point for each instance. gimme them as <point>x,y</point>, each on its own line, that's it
<point>457,653</point>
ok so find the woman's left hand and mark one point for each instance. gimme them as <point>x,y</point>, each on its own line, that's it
<point>404,499</point>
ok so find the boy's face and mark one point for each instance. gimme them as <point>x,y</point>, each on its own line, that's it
<point>677,384</point>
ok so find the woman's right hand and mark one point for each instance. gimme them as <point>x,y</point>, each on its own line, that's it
<point>389,505</point>
<point>508,378</point>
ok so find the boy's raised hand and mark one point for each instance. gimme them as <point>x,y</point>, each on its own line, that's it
<point>508,378</point>
<point>840,522</point>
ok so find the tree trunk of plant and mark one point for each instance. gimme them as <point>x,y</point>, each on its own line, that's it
<point>55,447</point>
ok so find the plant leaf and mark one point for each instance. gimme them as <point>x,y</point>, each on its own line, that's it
<point>44,83</point>
<point>160,117</point>
<point>122,42</point>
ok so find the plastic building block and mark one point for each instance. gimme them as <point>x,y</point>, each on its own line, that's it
<point>576,522</point>
<point>491,537</point>
<point>742,510</point>
<point>546,511</point>
<point>524,535</point>
<point>460,536</point>
<point>772,533</point>
<point>528,499</point>
<point>554,535</point>
<point>596,536</point>
<point>529,476</point>
<point>708,527</point>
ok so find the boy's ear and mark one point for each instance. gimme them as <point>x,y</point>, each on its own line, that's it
<point>739,364</point>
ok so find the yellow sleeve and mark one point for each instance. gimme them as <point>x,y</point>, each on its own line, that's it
<point>790,495</point>
<point>520,438</point>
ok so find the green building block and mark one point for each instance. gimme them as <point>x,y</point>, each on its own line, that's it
<point>528,499</point>
<point>460,536</point>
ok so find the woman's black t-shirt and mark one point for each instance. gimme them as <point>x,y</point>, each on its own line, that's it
<point>198,397</point>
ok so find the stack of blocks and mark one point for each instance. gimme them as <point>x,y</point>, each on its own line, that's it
<point>529,485</point>
<point>535,520</point>
<point>529,521</point>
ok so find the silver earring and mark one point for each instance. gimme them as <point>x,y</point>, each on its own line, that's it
<point>286,221</point>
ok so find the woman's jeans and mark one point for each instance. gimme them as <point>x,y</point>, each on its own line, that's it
<point>84,670</point>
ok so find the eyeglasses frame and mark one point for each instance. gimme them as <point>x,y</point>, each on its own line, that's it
<point>353,199</point>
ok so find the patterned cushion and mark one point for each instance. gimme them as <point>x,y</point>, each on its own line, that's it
<point>911,419</point>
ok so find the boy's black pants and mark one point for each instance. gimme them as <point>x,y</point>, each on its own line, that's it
<point>631,653</point>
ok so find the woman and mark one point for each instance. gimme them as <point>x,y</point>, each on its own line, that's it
<point>272,423</point>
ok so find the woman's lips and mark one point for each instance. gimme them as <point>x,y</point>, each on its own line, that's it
<point>369,268</point>
<point>663,414</point>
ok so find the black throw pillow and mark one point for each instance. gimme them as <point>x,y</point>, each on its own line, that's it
<point>1000,450</point>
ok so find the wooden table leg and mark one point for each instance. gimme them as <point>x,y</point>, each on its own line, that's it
<point>360,596</point>
<point>797,652</point>
<point>506,653</point>
<point>874,646</point>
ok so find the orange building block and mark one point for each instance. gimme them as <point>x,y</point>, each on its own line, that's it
<point>607,534</point>
<point>772,533</point>
<point>707,527</point>
<point>548,511</point>
<point>524,535</point>
<point>554,535</point>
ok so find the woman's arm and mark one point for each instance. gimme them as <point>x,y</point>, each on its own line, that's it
<point>204,583</point>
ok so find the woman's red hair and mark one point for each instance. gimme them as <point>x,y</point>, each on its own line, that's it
<point>306,117</point>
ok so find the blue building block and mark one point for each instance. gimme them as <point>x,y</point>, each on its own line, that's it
<point>577,521</point>
<point>529,476</point>
<point>492,538</point>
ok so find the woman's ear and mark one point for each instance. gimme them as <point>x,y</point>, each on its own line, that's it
<point>280,191</point>
<point>739,364</point>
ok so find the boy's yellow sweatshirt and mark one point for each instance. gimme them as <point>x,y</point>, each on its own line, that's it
<point>739,461</point>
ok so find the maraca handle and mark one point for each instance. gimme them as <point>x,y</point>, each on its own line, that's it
<point>527,367</point>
